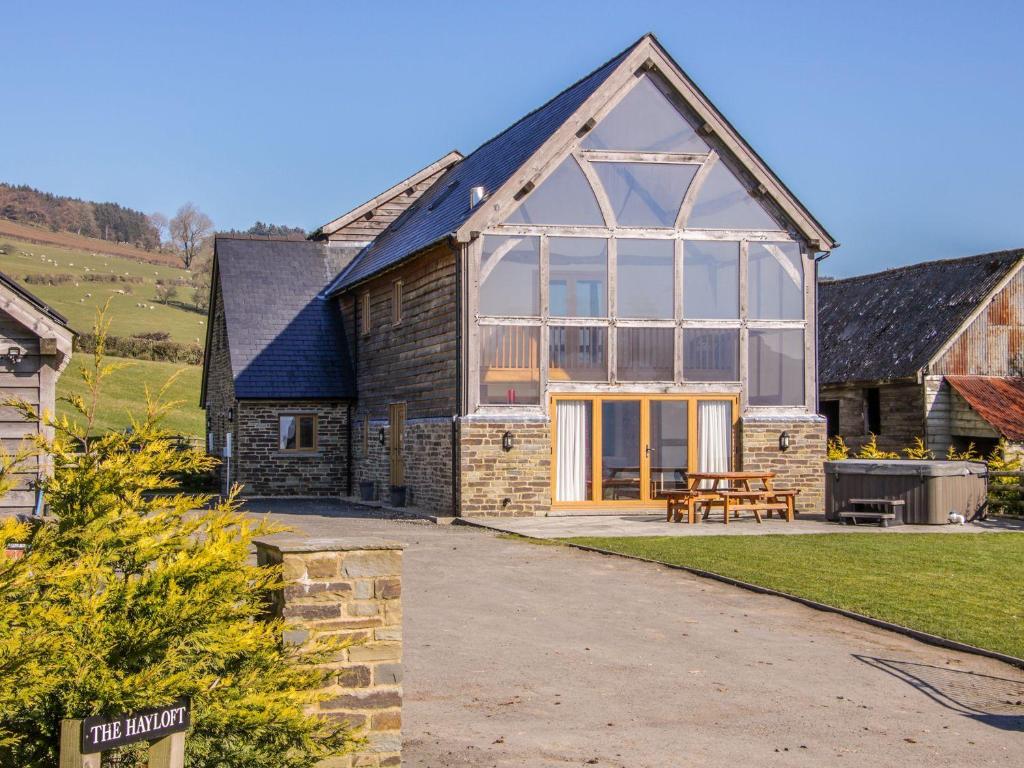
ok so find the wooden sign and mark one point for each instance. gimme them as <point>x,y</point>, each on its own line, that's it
<point>102,733</point>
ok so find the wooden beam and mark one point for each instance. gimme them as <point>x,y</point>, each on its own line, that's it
<point>678,158</point>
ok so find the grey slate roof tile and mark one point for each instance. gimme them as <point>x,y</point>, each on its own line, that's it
<point>889,325</point>
<point>286,339</point>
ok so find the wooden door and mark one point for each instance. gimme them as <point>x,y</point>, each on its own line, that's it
<point>396,422</point>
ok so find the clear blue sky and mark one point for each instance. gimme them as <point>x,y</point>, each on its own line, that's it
<point>899,124</point>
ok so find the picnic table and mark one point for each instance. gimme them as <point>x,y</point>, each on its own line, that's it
<point>735,492</point>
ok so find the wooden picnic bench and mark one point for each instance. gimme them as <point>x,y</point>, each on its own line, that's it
<point>703,489</point>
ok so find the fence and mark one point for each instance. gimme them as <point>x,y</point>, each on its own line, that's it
<point>1006,493</point>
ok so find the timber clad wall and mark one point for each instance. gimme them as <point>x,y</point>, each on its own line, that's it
<point>902,414</point>
<point>23,381</point>
<point>801,467</point>
<point>411,362</point>
<point>505,484</point>
<point>993,344</point>
<point>265,470</point>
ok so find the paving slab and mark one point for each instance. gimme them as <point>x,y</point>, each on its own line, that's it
<point>567,526</point>
<point>524,654</point>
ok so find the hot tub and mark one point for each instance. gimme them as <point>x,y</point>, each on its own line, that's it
<point>930,489</point>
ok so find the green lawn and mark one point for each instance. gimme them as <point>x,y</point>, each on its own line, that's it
<point>124,392</point>
<point>78,302</point>
<point>964,587</point>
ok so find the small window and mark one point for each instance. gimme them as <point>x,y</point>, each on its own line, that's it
<point>873,410</point>
<point>298,432</point>
<point>364,315</point>
<point>396,302</point>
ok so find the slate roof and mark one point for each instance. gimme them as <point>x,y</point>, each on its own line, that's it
<point>34,300</point>
<point>998,400</point>
<point>286,339</point>
<point>889,325</point>
<point>444,207</point>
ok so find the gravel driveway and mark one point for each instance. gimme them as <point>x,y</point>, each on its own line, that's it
<point>518,654</point>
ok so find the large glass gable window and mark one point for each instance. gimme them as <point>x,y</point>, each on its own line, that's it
<point>724,203</point>
<point>645,121</point>
<point>645,194</point>
<point>776,281</point>
<point>711,280</point>
<point>564,197</point>
<point>510,276</point>
<point>645,279</point>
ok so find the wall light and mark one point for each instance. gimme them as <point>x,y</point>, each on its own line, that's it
<point>382,436</point>
<point>14,355</point>
<point>784,441</point>
<point>507,442</point>
<point>231,414</point>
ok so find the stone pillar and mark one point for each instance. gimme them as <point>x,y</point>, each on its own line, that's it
<point>802,466</point>
<point>349,588</point>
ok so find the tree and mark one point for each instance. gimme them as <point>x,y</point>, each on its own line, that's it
<point>188,229</point>
<point>127,598</point>
<point>166,292</point>
<point>159,222</point>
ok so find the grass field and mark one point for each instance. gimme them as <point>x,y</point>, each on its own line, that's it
<point>124,393</point>
<point>28,233</point>
<point>78,300</point>
<point>964,587</point>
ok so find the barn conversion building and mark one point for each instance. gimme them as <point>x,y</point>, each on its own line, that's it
<point>933,350</point>
<point>611,293</point>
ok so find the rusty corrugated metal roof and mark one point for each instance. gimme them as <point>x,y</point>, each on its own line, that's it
<point>998,400</point>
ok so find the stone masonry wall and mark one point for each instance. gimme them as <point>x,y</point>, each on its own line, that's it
<point>902,408</point>
<point>427,452</point>
<point>801,466</point>
<point>265,470</point>
<point>494,482</point>
<point>220,385</point>
<point>349,589</point>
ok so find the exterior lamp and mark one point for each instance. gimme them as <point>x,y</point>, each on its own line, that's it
<point>14,355</point>
<point>231,414</point>
<point>784,441</point>
<point>382,436</point>
<point>507,442</point>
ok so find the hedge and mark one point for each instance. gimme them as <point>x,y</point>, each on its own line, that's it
<point>139,348</point>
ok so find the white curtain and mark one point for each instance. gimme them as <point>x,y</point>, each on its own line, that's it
<point>571,461</point>
<point>714,429</point>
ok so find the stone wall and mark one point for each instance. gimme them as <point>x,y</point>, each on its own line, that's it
<point>265,470</point>
<point>496,482</point>
<point>902,407</point>
<point>426,451</point>
<point>349,589</point>
<point>219,397</point>
<point>799,467</point>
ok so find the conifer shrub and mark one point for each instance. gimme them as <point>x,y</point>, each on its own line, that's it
<point>126,598</point>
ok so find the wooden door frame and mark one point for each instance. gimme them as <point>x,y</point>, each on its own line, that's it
<point>396,464</point>
<point>645,398</point>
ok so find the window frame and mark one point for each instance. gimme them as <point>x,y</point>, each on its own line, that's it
<point>397,301</point>
<point>365,325</point>
<point>298,416</point>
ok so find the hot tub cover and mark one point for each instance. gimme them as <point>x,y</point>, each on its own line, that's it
<point>918,467</point>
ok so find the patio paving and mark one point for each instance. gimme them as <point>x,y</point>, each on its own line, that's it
<point>567,526</point>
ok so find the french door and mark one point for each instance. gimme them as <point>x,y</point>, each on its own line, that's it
<point>629,450</point>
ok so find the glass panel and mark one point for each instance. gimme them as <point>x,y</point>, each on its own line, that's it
<point>645,354</point>
<point>776,367</point>
<point>564,197</point>
<point>668,446</point>
<point>509,364</point>
<point>573,435</point>
<point>711,280</point>
<point>620,449</point>
<point>287,433</point>
<point>645,194</point>
<point>510,276</point>
<point>306,432</point>
<point>644,279</point>
<point>711,354</point>
<point>578,274</point>
<point>723,203</point>
<point>645,121</point>
<point>714,435</point>
<point>775,282</point>
<point>578,353</point>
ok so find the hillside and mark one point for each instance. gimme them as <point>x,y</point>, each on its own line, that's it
<point>28,233</point>
<point>133,305</point>
<point>124,393</point>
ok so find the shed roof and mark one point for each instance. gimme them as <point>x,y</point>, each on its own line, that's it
<point>34,300</point>
<point>889,325</point>
<point>445,206</point>
<point>286,339</point>
<point>998,400</point>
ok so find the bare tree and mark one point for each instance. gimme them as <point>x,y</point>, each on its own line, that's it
<point>160,223</point>
<point>188,229</point>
